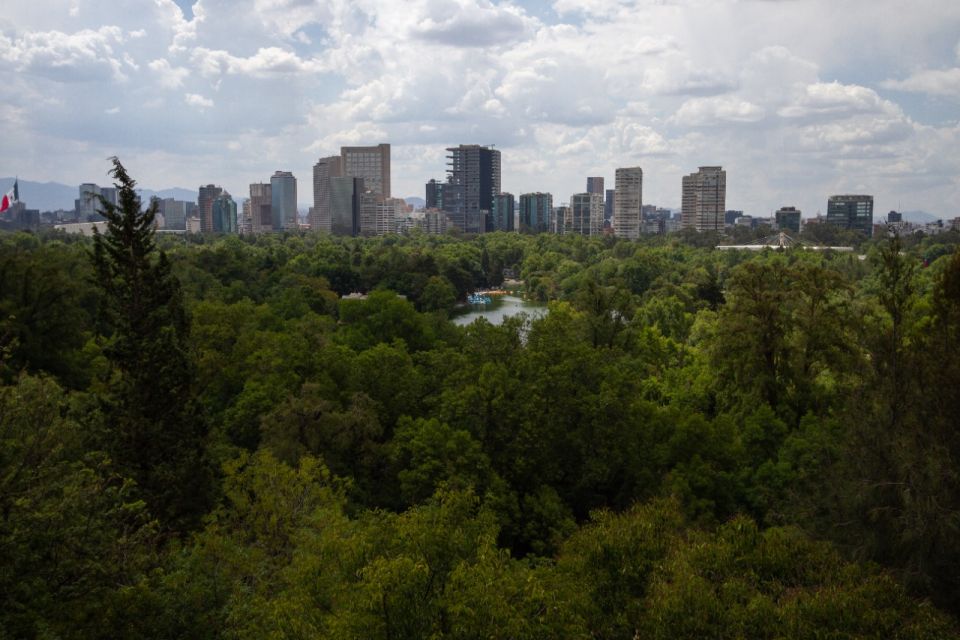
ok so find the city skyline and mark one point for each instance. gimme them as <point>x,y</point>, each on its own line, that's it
<point>797,101</point>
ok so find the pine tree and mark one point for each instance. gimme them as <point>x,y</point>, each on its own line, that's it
<point>156,434</point>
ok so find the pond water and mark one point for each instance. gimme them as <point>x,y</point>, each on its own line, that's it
<point>500,308</point>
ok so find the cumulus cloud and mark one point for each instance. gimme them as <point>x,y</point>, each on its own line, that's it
<point>198,101</point>
<point>473,25</point>
<point>937,82</point>
<point>266,61</point>
<point>699,112</point>
<point>169,77</point>
<point>833,99</point>
<point>67,57</point>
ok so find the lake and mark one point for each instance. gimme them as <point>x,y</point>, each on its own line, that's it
<point>500,308</point>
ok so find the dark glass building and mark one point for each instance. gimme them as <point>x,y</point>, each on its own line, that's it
<point>536,212</point>
<point>788,219</point>
<point>504,208</point>
<point>473,179</point>
<point>851,212</point>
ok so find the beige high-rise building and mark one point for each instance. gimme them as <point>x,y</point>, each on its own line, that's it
<point>628,203</point>
<point>325,169</point>
<point>261,215</point>
<point>704,199</point>
<point>370,163</point>
<point>246,218</point>
<point>586,213</point>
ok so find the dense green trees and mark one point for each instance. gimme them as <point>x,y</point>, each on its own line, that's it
<point>690,443</point>
<point>154,430</point>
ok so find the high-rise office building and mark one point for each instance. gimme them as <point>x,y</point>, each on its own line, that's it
<point>323,171</point>
<point>504,207</point>
<point>388,214</point>
<point>608,206</point>
<point>345,194</point>
<point>435,221</point>
<point>370,163</point>
<point>788,219</point>
<point>434,195</point>
<point>369,210</point>
<point>704,199</point>
<point>535,212</point>
<point>224,211</point>
<point>261,202</point>
<point>586,214</point>
<point>174,213</point>
<point>627,211</point>
<point>245,226</point>
<point>595,185</point>
<point>851,212</point>
<point>283,201</point>
<point>205,199</point>
<point>562,221</point>
<point>473,181</point>
<point>88,205</point>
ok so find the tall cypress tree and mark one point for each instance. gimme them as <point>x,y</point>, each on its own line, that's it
<point>155,431</point>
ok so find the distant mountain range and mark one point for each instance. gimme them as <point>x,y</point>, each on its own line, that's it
<point>918,217</point>
<point>415,202</point>
<point>50,196</point>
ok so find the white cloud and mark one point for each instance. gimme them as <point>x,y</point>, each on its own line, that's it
<point>266,61</point>
<point>470,24</point>
<point>168,77</point>
<point>833,99</point>
<point>198,101</point>
<point>717,110</point>
<point>942,82</point>
<point>66,57</point>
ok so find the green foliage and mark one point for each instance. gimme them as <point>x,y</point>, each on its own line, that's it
<point>633,464</point>
<point>72,531</point>
<point>155,434</point>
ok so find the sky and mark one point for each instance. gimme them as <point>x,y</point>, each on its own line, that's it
<point>796,99</point>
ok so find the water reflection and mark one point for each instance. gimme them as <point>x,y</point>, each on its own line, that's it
<point>500,308</point>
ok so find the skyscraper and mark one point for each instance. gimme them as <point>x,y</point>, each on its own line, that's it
<point>608,206</point>
<point>503,212</point>
<point>586,214</point>
<point>283,201</point>
<point>704,199</point>
<point>174,213</point>
<point>205,199</point>
<point>261,214</point>
<point>345,194</point>
<point>245,225</point>
<point>851,212</point>
<point>627,210</point>
<point>562,222</point>
<point>434,195</point>
<point>224,212</point>
<point>370,163</point>
<point>323,171</point>
<point>473,180</point>
<point>535,212</point>
<point>595,185</point>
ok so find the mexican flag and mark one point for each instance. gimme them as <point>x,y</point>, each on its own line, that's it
<point>10,197</point>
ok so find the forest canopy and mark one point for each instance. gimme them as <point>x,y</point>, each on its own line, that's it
<point>201,437</point>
